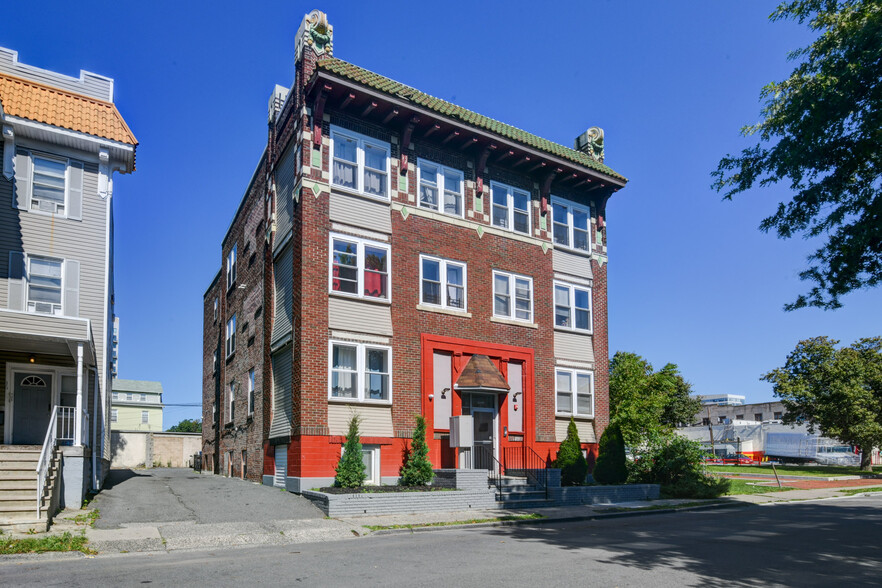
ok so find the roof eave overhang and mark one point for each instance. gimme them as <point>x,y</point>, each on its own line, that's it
<point>489,137</point>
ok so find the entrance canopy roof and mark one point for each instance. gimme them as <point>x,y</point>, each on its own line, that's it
<point>42,334</point>
<point>480,374</point>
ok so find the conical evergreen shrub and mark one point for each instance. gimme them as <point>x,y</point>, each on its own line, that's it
<point>350,468</point>
<point>417,469</point>
<point>611,466</point>
<point>570,460</point>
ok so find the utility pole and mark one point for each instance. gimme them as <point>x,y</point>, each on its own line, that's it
<point>710,427</point>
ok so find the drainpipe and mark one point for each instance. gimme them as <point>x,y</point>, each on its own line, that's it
<point>78,418</point>
<point>95,430</point>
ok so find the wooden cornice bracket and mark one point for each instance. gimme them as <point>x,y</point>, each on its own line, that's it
<point>349,98</point>
<point>468,143</point>
<point>432,129</point>
<point>368,108</point>
<point>452,135</point>
<point>482,165</point>
<point>545,190</point>
<point>539,165</point>
<point>318,113</point>
<point>392,114</point>
<point>405,141</point>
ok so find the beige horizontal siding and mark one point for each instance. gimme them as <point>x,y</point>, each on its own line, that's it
<point>570,263</point>
<point>41,324</point>
<point>574,346</point>
<point>357,315</point>
<point>376,421</point>
<point>585,428</point>
<point>361,212</point>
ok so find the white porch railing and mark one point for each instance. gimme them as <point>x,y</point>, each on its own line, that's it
<point>62,428</point>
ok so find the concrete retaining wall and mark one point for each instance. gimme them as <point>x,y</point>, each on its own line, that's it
<point>348,505</point>
<point>572,495</point>
<point>134,449</point>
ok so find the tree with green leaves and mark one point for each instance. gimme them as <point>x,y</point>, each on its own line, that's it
<point>572,464</point>
<point>820,133</point>
<point>612,465</point>
<point>350,469</point>
<point>681,407</point>
<point>639,396</point>
<point>187,426</point>
<point>836,391</point>
<point>417,469</point>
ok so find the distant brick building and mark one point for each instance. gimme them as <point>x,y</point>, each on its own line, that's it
<point>398,255</point>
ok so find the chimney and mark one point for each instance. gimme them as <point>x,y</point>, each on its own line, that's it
<point>276,101</point>
<point>591,143</point>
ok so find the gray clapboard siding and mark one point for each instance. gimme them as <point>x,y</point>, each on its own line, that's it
<point>573,346</point>
<point>285,193</point>
<point>376,421</point>
<point>359,316</point>
<point>94,85</point>
<point>283,271</point>
<point>82,241</point>
<point>585,428</point>
<point>361,212</point>
<point>43,324</point>
<point>282,393</point>
<point>571,263</point>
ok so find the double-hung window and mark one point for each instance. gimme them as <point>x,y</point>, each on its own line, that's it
<point>231,267</point>
<point>145,417</point>
<point>359,268</point>
<point>512,296</point>
<point>570,224</point>
<point>251,391</point>
<point>572,307</point>
<point>231,402</point>
<point>50,179</point>
<point>510,208</point>
<point>231,336</point>
<point>575,392</point>
<point>44,285</point>
<point>442,283</point>
<point>360,163</point>
<point>440,188</point>
<point>360,372</point>
<point>114,415</point>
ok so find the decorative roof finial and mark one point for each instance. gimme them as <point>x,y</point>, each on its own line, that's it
<point>591,143</point>
<point>316,33</point>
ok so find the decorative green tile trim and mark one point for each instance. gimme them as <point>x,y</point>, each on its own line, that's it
<point>600,259</point>
<point>402,184</point>
<point>317,158</point>
<point>317,188</point>
<point>544,247</point>
<point>479,203</point>
<point>543,224</point>
<point>598,237</point>
<point>297,190</point>
<point>404,213</point>
<point>480,230</point>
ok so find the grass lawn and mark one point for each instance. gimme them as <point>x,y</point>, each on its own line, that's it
<point>64,542</point>
<point>791,470</point>
<point>853,491</point>
<point>744,487</point>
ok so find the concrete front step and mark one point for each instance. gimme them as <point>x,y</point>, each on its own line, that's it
<point>18,474</point>
<point>26,525</point>
<point>18,466</point>
<point>23,513</point>
<point>19,454</point>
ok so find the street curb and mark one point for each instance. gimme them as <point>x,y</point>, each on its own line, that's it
<point>573,519</point>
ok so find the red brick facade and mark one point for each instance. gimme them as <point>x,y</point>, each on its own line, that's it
<point>314,441</point>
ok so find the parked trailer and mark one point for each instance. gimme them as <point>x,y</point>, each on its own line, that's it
<point>808,447</point>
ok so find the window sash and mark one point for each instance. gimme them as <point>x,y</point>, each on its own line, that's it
<point>145,417</point>
<point>572,307</point>
<point>359,372</point>
<point>45,282</point>
<point>360,163</point>
<point>513,296</point>
<point>49,179</point>
<point>440,188</point>
<point>251,391</point>
<point>510,208</point>
<point>231,336</point>
<point>571,225</point>
<point>442,283</point>
<point>359,268</point>
<point>231,267</point>
<point>574,392</point>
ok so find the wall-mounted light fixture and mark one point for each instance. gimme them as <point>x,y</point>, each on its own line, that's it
<point>444,393</point>
<point>32,359</point>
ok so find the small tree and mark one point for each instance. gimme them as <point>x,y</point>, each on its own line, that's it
<point>350,468</point>
<point>417,469</point>
<point>570,460</point>
<point>187,426</point>
<point>611,466</point>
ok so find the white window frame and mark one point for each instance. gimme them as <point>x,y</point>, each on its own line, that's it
<point>442,268</point>
<point>510,190</point>
<point>440,186</point>
<point>251,392</point>
<point>572,306</point>
<point>512,280</point>
<point>361,141</point>
<point>230,340</point>
<point>231,266</point>
<point>59,311</point>
<point>145,417</point>
<point>360,245</point>
<point>360,372</point>
<point>570,206</point>
<point>573,373</point>
<point>55,159</point>
<point>215,307</point>
<point>114,415</point>
<point>231,402</point>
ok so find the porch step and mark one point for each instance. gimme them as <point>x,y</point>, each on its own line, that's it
<point>20,455</point>
<point>25,525</point>
<point>18,513</point>
<point>24,485</point>
<point>5,448</point>
<point>11,466</point>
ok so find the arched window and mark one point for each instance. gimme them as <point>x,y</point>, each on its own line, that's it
<point>35,381</point>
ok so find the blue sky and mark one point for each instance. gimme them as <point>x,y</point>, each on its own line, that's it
<point>691,279</point>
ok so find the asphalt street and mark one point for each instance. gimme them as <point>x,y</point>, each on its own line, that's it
<point>824,543</point>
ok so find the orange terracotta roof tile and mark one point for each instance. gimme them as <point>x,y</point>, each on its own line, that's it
<point>36,102</point>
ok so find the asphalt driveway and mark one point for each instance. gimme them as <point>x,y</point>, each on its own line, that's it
<point>166,495</point>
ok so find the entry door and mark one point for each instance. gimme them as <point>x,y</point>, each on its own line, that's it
<point>281,460</point>
<point>483,441</point>
<point>32,408</point>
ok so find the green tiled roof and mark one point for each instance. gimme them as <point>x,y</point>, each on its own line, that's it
<point>384,84</point>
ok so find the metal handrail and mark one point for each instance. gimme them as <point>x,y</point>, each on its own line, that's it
<point>525,459</point>
<point>494,478</point>
<point>46,457</point>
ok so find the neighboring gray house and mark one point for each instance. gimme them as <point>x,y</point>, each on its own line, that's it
<point>62,139</point>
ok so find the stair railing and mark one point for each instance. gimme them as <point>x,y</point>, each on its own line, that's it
<point>46,456</point>
<point>494,478</point>
<point>524,460</point>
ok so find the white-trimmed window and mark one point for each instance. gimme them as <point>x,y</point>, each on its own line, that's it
<point>359,267</point>
<point>442,283</point>
<point>215,308</point>
<point>360,163</point>
<point>572,307</point>
<point>143,398</point>
<point>231,336</point>
<point>49,184</point>
<point>114,415</point>
<point>231,402</point>
<point>231,267</point>
<point>145,417</point>
<point>575,392</point>
<point>251,391</point>
<point>440,188</point>
<point>360,372</point>
<point>512,296</point>
<point>510,208</point>
<point>570,224</point>
<point>44,285</point>
<point>129,396</point>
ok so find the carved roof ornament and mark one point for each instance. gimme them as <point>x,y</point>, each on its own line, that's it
<point>316,33</point>
<point>591,143</point>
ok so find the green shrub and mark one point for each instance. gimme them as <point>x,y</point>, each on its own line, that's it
<point>350,469</point>
<point>676,464</point>
<point>611,466</point>
<point>417,469</point>
<point>570,460</point>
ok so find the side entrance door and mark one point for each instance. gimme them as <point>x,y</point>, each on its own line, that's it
<point>32,408</point>
<point>281,471</point>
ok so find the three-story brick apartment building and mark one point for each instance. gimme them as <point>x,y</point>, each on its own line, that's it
<point>63,138</point>
<point>397,255</point>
